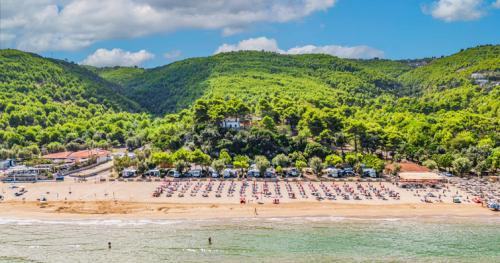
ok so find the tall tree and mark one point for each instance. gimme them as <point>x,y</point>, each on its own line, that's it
<point>316,165</point>
<point>262,163</point>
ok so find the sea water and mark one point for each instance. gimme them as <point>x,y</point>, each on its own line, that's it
<point>302,239</point>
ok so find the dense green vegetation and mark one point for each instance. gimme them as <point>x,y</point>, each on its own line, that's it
<point>165,89</point>
<point>119,75</point>
<point>300,107</point>
<point>319,79</point>
<point>51,104</point>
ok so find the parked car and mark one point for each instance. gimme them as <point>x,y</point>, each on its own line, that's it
<point>447,174</point>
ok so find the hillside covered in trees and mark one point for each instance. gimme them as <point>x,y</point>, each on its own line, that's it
<point>250,75</point>
<point>443,112</point>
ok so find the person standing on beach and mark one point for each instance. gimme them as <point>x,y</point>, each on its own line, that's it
<point>210,240</point>
<point>255,212</point>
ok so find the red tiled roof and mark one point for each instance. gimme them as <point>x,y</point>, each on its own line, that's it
<point>88,153</point>
<point>59,155</point>
<point>84,154</point>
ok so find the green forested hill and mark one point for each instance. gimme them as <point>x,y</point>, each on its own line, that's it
<point>448,83</point>
<point>442,111</point>
<point>251,75</point>
<point>52,102</point>
<point>175,86</point>
<point>391,68</point>
<point>453,71</point>
<point>118,75</point>
<point>59,81</point>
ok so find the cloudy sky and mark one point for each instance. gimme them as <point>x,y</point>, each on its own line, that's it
<point>150,33</point>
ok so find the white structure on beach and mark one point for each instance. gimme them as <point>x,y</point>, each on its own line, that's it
<point>25,174</point>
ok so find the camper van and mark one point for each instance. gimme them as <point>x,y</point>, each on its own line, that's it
<point>253,173</point>
<point>347,172</point>
<point>332,172</point>
<point>369,172</point>
<point>269,173</point>
<point>129,172</point>
<point>228,173</point>
<point>6,164</point>
<point>214,174</point>
<point>293,172</point>
<point>197,173</point>
<point>174,173</point>
<point>153,172</point>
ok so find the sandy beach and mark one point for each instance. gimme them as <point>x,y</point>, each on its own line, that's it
<point>93,199</point>
<point>136,210</point>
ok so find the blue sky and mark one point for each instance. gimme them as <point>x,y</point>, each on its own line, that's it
<point>393,29</point>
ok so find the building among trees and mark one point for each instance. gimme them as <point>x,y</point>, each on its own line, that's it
<point>80,156</point>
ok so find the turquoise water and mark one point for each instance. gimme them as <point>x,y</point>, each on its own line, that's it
<point>252,240</point>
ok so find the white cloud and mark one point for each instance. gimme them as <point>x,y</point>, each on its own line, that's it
<point>496,4</point>
<point>339,51</point>
<point>172,55</point>
<point>229,31</point>
<point>267,44</point>
<point>40,25</point>
<point>260,43</point>
<point>456,10</point>
<point>117,57</point>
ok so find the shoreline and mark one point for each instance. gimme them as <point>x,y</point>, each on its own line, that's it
<point>102,210</point>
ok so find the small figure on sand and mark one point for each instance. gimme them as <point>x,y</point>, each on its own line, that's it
<point>210,240</point>
<point>109,245</point>
<point>255,212</point>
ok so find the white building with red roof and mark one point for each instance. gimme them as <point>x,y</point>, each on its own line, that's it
<point>79,156</point>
